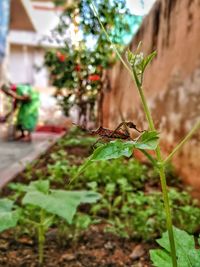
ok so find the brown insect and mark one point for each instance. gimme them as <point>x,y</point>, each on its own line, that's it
<point>121,132</point>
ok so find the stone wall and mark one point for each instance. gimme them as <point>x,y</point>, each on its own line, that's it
<point>171,84</point>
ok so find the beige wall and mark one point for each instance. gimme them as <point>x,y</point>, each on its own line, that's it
<point>172,82</point>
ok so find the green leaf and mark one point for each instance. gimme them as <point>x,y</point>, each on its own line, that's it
<point>160,258</point>
<point>6,204</point>
<point>18,187</point>
<point>114,149</point>
<point>130,57</point>
<point>117,201</point>
<point>41,185</point>
<point>148,140</point>
<point>8,217</point>
<point>187,254</point>
<point>148,59</point>
<point>82,221</point>
<point>59,202</point>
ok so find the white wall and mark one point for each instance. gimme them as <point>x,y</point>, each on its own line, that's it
<point>25,65</point>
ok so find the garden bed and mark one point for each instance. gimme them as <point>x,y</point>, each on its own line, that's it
<point>118,230</point>
<point>95,248</point>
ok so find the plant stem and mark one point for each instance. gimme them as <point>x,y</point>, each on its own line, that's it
<point>108,37</point>
<point>149,157</point>
<point>179,146</point>
<point>158,152</point>
<point>162,177</point>
<point>41,239</point>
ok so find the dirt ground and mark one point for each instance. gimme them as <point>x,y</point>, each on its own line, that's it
<point>95,248</point>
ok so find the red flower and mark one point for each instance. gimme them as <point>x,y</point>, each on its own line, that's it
<point>61,57</point>
<point>94,77</point>
<point>77,67</point>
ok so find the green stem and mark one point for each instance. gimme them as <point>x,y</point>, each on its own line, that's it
<point>168,215</point>
<point>180,145</point>
<point>41,239</point>
<point>162,178</point>
<point>108,37</point>
<point>149,157</point>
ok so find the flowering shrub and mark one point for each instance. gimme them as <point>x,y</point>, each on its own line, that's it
<point>61,57</point>
<point>78,70</point>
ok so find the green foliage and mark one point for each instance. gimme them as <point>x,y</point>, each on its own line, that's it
<point>130,201</point>
<point>8,215</point>
<point>141,215</point>
<point>104,172</point>
<point>76,82</point>
<point>187,254</point>
<point>58,170</point>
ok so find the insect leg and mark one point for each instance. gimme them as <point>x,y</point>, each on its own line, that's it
<point>118,128</point>
<point>97,141</point>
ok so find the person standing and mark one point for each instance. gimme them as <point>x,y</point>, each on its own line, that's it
<point>27,100</point>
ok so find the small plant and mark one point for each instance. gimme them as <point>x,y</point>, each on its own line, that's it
<point>73,231</point>
<point>59,170</point>
<point>149,140</point>
<point>42,206</point>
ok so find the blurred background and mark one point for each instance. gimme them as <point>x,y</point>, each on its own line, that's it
<point>27,34</point>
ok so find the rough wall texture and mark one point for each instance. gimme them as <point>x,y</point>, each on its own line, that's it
<point>172,82</point>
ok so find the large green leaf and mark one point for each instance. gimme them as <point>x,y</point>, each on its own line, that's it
<point>40,185</point>
<point>60,202</point>
<point>187,254</point>
<point>148,140</point>
<point>114,149</point>
<point>8,217</point>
